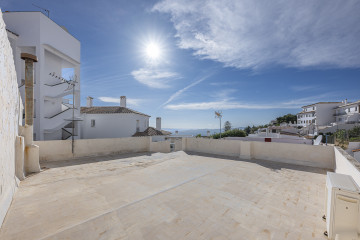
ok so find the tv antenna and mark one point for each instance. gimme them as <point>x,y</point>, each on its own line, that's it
<point>218,114</point>
<point>45,10</point>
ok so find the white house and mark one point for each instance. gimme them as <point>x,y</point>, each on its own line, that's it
<point>317,114</point>
<point>111,122</point>
<point>57,51</point>
<point>348,113</point>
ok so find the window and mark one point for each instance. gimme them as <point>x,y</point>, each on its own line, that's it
<point>137,126</point>
<point>34,115</point>
<point>92,122</point>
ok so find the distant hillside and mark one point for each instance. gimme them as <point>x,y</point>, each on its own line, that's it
<point>194,132</point>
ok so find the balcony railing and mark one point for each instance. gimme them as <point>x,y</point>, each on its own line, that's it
<point>58,113</point>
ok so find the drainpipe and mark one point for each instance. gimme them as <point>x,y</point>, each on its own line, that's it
<point>31,156</point>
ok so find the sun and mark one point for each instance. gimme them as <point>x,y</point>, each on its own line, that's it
<point>153,51</point>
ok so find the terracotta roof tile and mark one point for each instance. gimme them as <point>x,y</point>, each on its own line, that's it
<point>150,131</point>
<point>109,110</point>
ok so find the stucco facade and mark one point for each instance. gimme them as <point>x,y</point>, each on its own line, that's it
<point>10,108</point>
<point>348,113</point>
<point>57,51</point>
<point>317,114</point>
<point>115,125</point>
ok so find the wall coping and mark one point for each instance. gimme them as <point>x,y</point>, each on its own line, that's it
<point>351,159</point>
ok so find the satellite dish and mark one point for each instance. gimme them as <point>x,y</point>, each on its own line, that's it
<point>318,140</point>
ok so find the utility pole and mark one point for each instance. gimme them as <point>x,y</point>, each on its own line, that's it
<point>218,114</point>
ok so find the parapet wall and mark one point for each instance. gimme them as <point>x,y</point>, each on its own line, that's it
<point>346,164</point>
<point>10,106</point>
<point>300,154</point>
<point>62,149</point>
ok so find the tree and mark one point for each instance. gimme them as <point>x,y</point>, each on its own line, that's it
<point>227,126</point>
<point>247,130</point>
<point>286,118</point>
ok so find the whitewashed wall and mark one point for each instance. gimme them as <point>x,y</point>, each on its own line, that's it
<point>300,154</point>
<point>346,164</point>
<point>61,149</point>
<point>9,118</point>
<point>112,125</point>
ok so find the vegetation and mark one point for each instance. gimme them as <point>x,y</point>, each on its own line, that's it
<point>354,134</point>
<point>286,118</point>
<point>230,133</point>
<point>198,135</point>
<point>227,126</point>
<point>251,130</point>
<point>343,137</point>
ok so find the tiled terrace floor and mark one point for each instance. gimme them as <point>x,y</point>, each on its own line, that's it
<point>168,196</point>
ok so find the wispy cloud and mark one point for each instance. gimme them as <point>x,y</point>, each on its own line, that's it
<point>253,34</point>
<point>313,99</point>
<point>154,78</point>
<point>181,91</point>
<point>130,101</point>
<point>225,105</point>
<point>230,103</point>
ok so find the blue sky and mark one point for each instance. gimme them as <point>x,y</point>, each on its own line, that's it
<point>181,60</point>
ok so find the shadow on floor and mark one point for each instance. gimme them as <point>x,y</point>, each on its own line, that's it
<point>90,159</point>
<point>267,163</point>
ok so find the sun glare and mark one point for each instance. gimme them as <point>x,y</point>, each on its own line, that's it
<point>153,51</point>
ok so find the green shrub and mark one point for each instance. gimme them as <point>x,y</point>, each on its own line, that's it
<point>354,139</point>
<point>230,133</point>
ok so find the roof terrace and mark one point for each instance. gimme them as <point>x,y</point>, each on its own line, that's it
<point>210,189</point>
<point>175,195</point>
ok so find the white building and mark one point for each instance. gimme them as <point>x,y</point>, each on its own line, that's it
<point>348,113</point>
<point>317,114</point>
<point>111,122</point>
<point>57,51</point>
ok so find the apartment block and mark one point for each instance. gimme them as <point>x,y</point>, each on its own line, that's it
<point>58,53</point>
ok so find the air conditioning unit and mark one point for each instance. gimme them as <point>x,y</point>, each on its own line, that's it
<point>342,207</point>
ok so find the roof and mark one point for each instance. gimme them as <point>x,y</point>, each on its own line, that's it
<point>306,112</point>
<point>348,104</point>
<point>320,103</point>
<point>40,12</point>
<point>150,131</point>
<point>109,110</point>
<point>12,32</point>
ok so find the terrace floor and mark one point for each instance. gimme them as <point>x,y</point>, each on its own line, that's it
<point>168,196</point>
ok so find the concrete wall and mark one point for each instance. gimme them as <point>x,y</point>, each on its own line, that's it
<point>60,150</point>
<point>295,140</point>
<point>301,154</point>
<point>10,106</point>
<point>163,146</point>
<point>346,164</point>
<point>112,125</point>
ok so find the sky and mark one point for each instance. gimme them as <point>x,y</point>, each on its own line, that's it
<point>182,60</point>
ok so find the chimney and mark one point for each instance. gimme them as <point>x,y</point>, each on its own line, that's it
<point>123,101</point>
<point>158,123</point>
<point>89,101</point>
<point>345,101</point>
